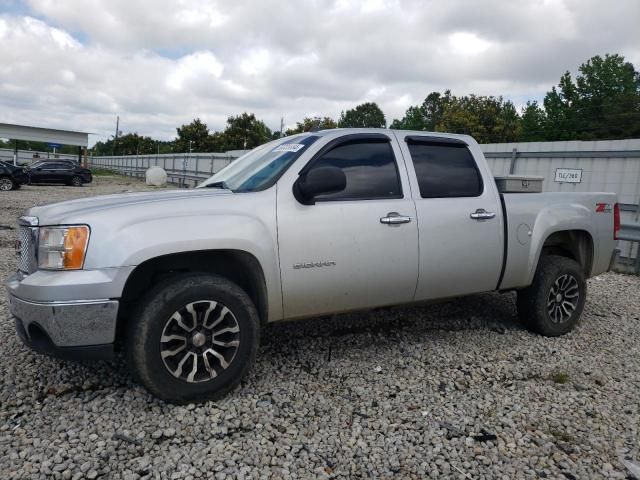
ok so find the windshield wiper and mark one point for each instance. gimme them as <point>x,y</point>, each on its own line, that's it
<point>217,185</point>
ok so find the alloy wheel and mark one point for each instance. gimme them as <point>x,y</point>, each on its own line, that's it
<point>563,298</point>
<point>199,341</point>
<point>5,184</point>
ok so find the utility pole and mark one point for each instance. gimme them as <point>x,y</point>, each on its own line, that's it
<point>115,139</point>
<point>281,125</point>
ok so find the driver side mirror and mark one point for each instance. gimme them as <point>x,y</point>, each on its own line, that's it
<point>318,181</point>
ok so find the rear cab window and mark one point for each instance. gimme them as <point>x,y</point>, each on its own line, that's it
<point>444,167</point>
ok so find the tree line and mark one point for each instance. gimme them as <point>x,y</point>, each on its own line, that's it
<point>242,132</point>
<point>602,102</point>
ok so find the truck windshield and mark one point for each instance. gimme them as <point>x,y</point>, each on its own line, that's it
<point>261,167</point>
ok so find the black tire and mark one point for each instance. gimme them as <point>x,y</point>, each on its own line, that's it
<point>7,183</point>
<point>156,313</point>
<point>545,307</point>
<point>75,181</point>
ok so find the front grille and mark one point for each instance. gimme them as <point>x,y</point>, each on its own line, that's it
<point>26,253</point>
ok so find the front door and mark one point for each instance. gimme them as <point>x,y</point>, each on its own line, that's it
<point>353,249</point>
<point>459,217</point>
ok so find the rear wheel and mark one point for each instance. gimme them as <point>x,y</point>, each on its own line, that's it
<point>76,181</point>
<point>7,183</point>
<point>194,337</point>
<point>552,305</point>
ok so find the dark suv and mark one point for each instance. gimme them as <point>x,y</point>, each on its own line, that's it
<point>59,171</point>
<point>11,177</point>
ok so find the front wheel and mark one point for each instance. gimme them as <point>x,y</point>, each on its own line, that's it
<point>76,181</point>
<point>552,305</point>
<point>7,183</point>
<point>194,337</point>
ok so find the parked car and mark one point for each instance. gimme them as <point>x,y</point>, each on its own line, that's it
<point>59,171</point>
<point>309,225</point>
<point>11,176</point>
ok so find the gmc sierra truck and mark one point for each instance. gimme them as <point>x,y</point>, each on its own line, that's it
<point>183,281</point>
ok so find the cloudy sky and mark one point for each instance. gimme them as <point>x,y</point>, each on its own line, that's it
<point>160,63</point>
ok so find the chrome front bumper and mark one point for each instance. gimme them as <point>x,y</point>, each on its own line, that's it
<point>70,314</point>
<point>68,323</point>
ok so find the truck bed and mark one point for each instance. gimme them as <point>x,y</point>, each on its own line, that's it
<point>530,218</point>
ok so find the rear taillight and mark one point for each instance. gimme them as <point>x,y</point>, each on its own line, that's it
<point>616,221</point>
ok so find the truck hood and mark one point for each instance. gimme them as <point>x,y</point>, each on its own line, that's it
<point>82,210</point>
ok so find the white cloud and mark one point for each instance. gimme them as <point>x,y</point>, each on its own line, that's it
<point>466,43</point>
<point>199,66</point>
<point>158,64</point>
<point>256,62</point>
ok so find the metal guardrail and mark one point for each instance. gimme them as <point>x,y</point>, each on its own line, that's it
<point>629,232</point>
<point>180,178</point>
<point>184,169</point>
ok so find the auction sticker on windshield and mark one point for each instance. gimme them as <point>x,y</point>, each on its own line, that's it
<point>289,147</point>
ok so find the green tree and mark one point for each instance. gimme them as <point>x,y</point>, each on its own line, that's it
<point>244,132</point>
<point>217,142</point>
<point>433,108</point>
<point>508,128</point>
<point>192,137</point>
<point>413,119</point>
<point>426,116</point>
<point>366,115</point>
<point>487,119</point>
<point>132,144</point>
<point>533,121</point>
<point>560,107</point>
<point>608,98</point>
<point>316,123</point>
<point>603,102</point>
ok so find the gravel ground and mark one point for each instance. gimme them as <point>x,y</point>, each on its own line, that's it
<point>454,390</point>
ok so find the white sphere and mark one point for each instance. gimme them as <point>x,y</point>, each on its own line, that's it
<point>156,176</point>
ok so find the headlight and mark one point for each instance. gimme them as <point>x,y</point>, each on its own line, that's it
<point>62,248</point>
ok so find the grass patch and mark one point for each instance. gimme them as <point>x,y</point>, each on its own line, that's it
<point>559,377</point>
<point>102,172</point>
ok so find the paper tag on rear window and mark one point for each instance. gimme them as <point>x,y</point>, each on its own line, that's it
<point>288,147</point>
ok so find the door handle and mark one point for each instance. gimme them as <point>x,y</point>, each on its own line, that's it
<point>482,214</point>
<point>394,218</point>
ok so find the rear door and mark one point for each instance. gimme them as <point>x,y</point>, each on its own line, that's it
<point>459,217</point>
<point>65,171</point>
<point>353,249</point>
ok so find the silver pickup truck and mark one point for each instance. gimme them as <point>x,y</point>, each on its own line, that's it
<point>183,281</point>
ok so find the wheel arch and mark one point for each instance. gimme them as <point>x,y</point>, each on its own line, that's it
<point>238,266</point>
<point>576,244</point>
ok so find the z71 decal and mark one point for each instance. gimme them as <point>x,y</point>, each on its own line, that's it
<point>603,208</point>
